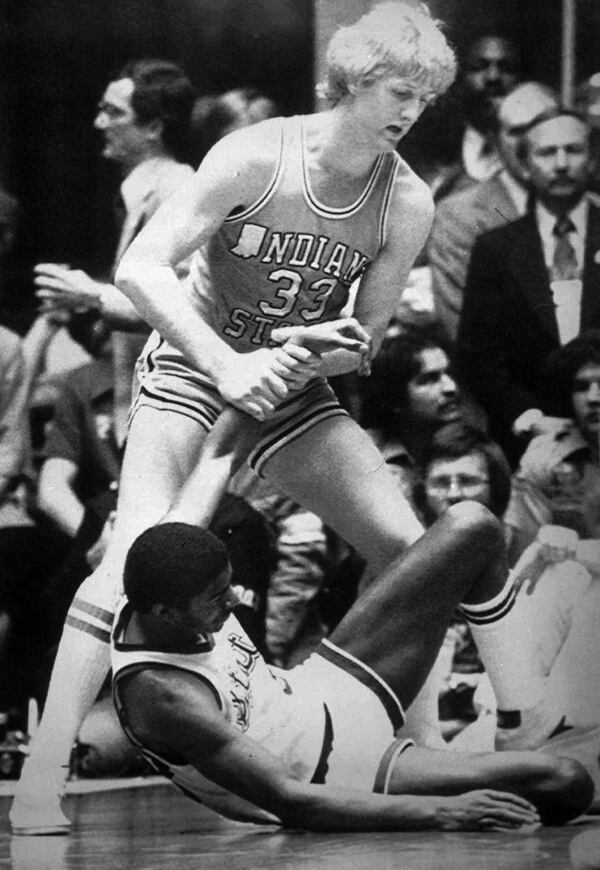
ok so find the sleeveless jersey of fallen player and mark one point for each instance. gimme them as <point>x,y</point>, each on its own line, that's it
<point>288,259</point>
<point>253,696</point>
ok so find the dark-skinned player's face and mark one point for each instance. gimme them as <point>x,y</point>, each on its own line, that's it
<point>207,611</point>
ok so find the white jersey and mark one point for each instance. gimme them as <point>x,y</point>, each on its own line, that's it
<point>284,714</point>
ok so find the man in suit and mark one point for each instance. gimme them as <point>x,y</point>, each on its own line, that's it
<point>533,283</point>
<point>144,118</point>
<point>460,218</point>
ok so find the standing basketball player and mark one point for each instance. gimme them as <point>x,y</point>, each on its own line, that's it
<point>285,216</point>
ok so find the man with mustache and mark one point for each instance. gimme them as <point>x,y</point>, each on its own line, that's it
<point>532,284</point>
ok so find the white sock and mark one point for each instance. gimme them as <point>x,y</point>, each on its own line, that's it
<point>505,639</point>
<point>81,665</point>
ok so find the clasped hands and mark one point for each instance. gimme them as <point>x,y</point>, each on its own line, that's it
<point>259,381</point>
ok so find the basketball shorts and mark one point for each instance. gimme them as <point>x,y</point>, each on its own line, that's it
<point>362,717</point>
<point>165,382</point>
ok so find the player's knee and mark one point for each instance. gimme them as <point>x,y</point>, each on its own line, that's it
<point>473,521</point>
<point>565,789</point>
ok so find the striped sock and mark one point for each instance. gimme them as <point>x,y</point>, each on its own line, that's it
<point>505,640</point>
<point>81,665</point>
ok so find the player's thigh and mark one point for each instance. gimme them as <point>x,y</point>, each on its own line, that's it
<point>162,449</point>
<point>335,470</point>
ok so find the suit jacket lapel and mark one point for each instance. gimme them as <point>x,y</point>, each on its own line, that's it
<point>590,295</point>
<point>526,257</point>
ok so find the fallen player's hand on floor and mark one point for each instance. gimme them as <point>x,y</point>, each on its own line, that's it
<point>486,810</point>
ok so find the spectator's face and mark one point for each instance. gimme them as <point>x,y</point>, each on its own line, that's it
<point>586,401</point>
<point>492,67</point>
<point>449,481</point>
<point>558,161</point>
<point>491,70</point>
<point>433,397</point>
<point>207,611</point>
<point>516,111</point>
<point>125,140</point>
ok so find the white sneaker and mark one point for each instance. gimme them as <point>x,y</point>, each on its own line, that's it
<point>41,816</point>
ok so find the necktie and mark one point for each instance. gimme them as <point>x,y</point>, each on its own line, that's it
<point>564,263</point>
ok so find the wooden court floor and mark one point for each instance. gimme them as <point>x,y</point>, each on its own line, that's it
<point>153,827</point>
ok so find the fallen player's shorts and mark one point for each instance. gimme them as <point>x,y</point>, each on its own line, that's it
<point>165,382</point>
<point>362,717</point>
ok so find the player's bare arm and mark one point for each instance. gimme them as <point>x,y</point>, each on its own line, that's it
<point>173,712</point>
<point>233,175</point>
<point>409,222</point>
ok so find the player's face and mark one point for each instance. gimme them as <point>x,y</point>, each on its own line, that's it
<point>125,140</point>
<point>433,396</point>
<point>385,110</point>
<point>586,401</point>
<point>449,481</point>
<point>207,611</point>
<point>558,159</point>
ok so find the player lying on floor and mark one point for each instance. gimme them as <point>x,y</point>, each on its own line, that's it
<point>315,746</point>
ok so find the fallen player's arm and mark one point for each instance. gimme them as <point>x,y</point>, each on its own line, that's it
<point>172,711</point>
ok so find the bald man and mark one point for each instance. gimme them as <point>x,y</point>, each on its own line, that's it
<point>502,198</point>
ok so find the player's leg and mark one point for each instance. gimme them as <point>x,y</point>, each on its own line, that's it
<point>461,559</point>
<point>162,449</point>
<point>560,788</point>
<point>334,470</point>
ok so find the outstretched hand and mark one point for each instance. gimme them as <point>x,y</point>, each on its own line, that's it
<point>58,285</point>
<point>486,810</point>
<point>345,333</point>
<point>553,545</point>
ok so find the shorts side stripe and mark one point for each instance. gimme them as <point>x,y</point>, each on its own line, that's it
<point>267,448</point>
<point>202,415</point>
<point>388,762</point>
<point>367,676</point>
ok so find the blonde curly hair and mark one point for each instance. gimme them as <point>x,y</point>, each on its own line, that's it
<point>394,38</point>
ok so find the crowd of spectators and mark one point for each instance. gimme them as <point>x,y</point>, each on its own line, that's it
<point>494,395</point>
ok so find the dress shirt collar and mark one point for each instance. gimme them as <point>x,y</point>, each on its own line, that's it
<point>517,192</point>
<point>478,163</point>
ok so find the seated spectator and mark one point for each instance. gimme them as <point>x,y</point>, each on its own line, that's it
<point>410,394</point>
<point>79,473</point>
<point>550,579</point>
<point>25,554</point>
<point>502,198</point>
<point>531,285</point>
<point>558,479</point>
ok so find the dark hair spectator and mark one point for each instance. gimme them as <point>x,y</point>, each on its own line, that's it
<point>163,92</point>
<point>563,364</point>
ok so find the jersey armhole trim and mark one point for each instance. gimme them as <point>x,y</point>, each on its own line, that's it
<point>387,199</point>
<point>270,189</point>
